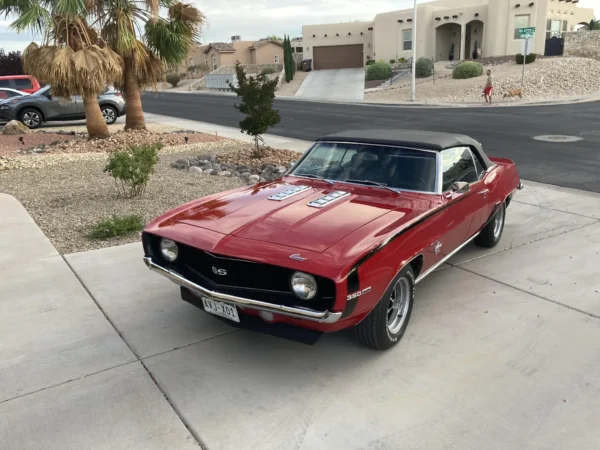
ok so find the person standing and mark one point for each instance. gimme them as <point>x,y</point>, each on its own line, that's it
<point>488,91</point>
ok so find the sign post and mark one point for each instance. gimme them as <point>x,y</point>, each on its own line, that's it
<point>526,34</point>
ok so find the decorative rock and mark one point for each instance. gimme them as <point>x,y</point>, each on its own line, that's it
<point>14,128</point>
<point>203,157</point>
<point>262,179</point>
<point>207,165</point>
<point>207,171</point>
<point>195,169</point>
<point>180,164</point>
<point>246,174</point>
<point>253,179</point>
<point>225,173</point>
<point>216,167</point>
<point>243,168</point>
<point>213,158</point>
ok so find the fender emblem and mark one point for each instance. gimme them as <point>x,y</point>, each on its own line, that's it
<point>437,248</point>
<point>297,257</point>
<point>221,272</point>
<point>359,293</point>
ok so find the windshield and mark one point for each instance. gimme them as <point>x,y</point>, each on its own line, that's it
<point>393,167</point>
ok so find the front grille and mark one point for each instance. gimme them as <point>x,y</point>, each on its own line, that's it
<point>244,278</point>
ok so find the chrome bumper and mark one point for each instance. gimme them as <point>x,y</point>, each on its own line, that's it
<point>298,313</point>
<point>520,186</point>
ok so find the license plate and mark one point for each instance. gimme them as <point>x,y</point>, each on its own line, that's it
<point>220,309</point>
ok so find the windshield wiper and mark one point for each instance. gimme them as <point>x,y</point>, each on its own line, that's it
<point>371,183</point>
<point>312,177</point>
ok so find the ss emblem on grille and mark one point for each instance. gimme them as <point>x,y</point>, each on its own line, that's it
<point>221,272</point>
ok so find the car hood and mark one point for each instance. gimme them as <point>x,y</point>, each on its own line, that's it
<point>250,214</point>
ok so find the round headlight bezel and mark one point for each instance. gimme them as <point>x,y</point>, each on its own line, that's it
<point>167,245</point>
<point>308,280</point>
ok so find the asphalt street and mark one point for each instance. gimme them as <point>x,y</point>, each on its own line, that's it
<point>504,132</point>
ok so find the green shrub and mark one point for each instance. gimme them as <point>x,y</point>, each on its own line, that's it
<point>370,62</point>
<point>424,68</point>
<point>467,69</point>
<point>392,61</point>
<point>402,60</point>
<point>528,60</point>
<point>173,79</point>
<point>131,168</point>
<point>379,71</point>
<point>116,226</point>
<point>268,70</point>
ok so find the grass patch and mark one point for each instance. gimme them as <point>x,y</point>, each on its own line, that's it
<point>116,226</point>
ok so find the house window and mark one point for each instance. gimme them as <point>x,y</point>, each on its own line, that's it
<point>521,21</point>
<point>276,59</point>
<point>554,28</point>
<point>214,62</point>
<point>298,49</point>
<point>407,39</point>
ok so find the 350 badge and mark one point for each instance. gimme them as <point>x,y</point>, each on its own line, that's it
<point>358,294</point>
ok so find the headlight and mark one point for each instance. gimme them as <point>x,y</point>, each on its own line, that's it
<point>169,249</point>
<point>304,285</point>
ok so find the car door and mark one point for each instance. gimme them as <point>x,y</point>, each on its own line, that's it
<point>60,108</point>
<point>461,194</point>
<point>484,187</point>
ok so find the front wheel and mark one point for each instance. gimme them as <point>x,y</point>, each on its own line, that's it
<point>492,232</point>
<point>31,118</point>
<point>110,114</point>
<point>385,325</point>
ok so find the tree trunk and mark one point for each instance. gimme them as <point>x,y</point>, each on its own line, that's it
<point>134,119</point>
<point>94,120</point>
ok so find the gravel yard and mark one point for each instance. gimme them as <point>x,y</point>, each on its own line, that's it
<point>67,193</point>
<point>290,89</point>
<point>545,79</point>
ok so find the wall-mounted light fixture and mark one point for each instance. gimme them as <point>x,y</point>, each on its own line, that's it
<point>438,18</point>
<point>314,35</point>
<point>370,28</point>
<point>361,33</point>
<point>325,35</point>
<point>337,34</point>
<point>409,20</point>
<point>349,34</point>
<point>518,5</point>
<point>400,20</point>
<point>455,16</point>
<point>531,4</point>
<point>446,17</point>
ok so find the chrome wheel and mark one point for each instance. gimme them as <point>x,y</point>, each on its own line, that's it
<point>32,119</point>
<point>498,223</point>
<point>399,303</point>
<point>109,115</point>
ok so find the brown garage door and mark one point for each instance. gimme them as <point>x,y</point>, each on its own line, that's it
<point>338,57</point>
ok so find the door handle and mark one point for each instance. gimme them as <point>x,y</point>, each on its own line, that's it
<point>484,192</point>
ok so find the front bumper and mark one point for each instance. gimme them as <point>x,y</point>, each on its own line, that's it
<point>298,313</point>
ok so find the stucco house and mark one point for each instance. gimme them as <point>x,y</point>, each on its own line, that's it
<point>487,26</point>
<point>217,54</point>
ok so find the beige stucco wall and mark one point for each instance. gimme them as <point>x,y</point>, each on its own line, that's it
<point>266,54</point>
<point>496,38</point>
<point>582,43</point>
<point>354,28</point>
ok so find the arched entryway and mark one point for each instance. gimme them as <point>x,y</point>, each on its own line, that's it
<point>473,40</point>
<point>446,35</point>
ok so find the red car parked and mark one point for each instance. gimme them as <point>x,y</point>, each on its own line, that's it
<point>341,240</point>
<point>23,83</point>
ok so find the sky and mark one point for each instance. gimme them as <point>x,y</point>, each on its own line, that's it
<point>254,19</point>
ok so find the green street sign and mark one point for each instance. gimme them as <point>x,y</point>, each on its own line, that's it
<point>526,33</point>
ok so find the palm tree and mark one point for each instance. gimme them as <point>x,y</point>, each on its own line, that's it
<point>146,51</point>
<point>594,24</point>
<point>73,59</point>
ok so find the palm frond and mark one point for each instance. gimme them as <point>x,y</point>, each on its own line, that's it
<point>36,19</point>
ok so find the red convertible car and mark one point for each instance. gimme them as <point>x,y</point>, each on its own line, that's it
<point>341,239</point>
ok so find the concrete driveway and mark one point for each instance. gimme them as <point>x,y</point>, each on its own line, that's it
<point>345,85</point>
<point>502,352</point>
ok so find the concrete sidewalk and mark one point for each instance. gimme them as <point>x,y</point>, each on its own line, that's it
<point>67,379</point>
<point>501,353</point>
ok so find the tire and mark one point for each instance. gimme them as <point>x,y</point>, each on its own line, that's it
<point>31,118</point>
<point>378,330</point>
<point>110,114</point>
<point>492,232</point>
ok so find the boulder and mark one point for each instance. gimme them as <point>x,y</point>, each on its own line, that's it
<point>225,173</point>
<point>14,128</point>
<point>195,169</point>
<point>253,179</point>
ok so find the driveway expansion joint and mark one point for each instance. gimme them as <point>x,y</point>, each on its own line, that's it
<point>140,360</point>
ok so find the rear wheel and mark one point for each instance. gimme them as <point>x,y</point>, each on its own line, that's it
<point>492,232</point>
<point>109,113</point>
<point>386,324</point>
<point>31,118</point>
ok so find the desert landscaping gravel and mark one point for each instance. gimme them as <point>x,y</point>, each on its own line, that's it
<point>69,193</point>
<point>545,79</point>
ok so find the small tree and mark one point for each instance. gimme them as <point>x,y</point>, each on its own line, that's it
<point>257,94</point>
<point>131,168</point>
<point>286,60</point>
<point>291,56</point>
<point>11,63</point>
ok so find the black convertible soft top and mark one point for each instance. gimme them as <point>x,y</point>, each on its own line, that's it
<point>428,140</point>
